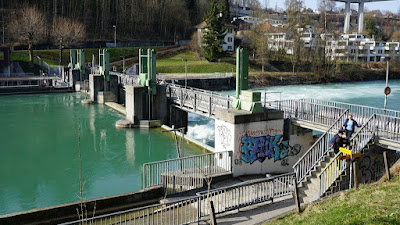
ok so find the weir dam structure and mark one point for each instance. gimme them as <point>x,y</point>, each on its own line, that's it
<point>251,137</point>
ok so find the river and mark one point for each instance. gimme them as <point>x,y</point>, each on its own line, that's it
<point>39,151</point>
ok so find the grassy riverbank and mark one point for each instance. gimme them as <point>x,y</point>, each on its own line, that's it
<point>51,56</point>
<point>372,204</point>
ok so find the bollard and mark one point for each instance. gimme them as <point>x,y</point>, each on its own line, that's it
<point>355,172</point>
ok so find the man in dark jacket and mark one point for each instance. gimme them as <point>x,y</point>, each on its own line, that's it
<point>338,141</point>
<point>349,126</point>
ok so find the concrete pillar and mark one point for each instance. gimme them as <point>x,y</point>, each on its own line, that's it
<point>160,105</point>
<point>347,17</point>
<point>135,103</point>
<point>96,85</point>
<point>178,118</point>
<point>360,17</point>
<point>261,143</point>
<point>73,77</point>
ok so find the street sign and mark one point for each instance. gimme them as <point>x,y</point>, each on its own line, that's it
<point>388,90</point>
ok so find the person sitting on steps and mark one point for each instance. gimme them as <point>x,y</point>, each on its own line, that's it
<point>338,141</point>
<point>349,126</point>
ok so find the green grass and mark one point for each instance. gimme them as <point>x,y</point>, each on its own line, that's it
<point>175,64</point>
<point>51,56</point>
<point>378,203</point>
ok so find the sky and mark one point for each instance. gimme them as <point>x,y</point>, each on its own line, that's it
<point>383,6</point>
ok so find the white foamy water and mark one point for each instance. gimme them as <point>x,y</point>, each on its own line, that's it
<point>368,93</point>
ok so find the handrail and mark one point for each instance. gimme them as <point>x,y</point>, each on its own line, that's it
<point>316,151</point>
<point>194,209</point>
<point>187,173</point>
<point>335,167</point>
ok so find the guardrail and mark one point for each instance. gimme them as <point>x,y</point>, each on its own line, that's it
<point>388,128</point>
<point>50,69</point>
<point>245,194</point>
<point>198,100</point>
<point>360,113</point>
<point>125,79</point>
<point>187,173</point>
<point>335,167</point>
<point>306,111</point>
<point>195,209</point>
<point>318,150</point>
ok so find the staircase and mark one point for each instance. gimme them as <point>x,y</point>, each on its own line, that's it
<point>329,171</point>
<point>314,160</point>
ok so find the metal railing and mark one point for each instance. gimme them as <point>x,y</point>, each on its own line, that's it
<point>388,128</point>
<point>360,113</point>
<point>187,173</point>
<point>318,150</point>
<point>336,166</point>
<point>51,70</point>
<point>195,209</point>
<point>245,194</point>
<point>306,111</point>
<point>198,100</point>
<point>125,79</point>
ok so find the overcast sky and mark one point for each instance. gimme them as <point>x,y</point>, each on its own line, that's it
<point>383,6</point>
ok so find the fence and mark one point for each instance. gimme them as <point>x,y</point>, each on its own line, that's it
<point>245,194</point>
<point>360,113</point>
<point>336,166</point>
<point>318,150</point>
<point>50,70</point>
<point>125,79</point>
<point>187,173</point>
<point>388,128</point>
<point>195,209</point>
<point>198,100</point>
<point>310,112</point>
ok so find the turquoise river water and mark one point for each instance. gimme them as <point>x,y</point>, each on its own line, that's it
<point>39,143</point>
<point>39,151</point>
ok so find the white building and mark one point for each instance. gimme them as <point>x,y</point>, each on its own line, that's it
<point>347,47</point>
<point>356,47</point>
<point>229,39</point>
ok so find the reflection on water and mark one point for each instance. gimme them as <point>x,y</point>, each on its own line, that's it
<point>39,151</point>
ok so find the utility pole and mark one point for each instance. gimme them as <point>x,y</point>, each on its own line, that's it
<point>185,72</point>
<point>115,36</point>
<point>123,64</point>
<point>387,81</point>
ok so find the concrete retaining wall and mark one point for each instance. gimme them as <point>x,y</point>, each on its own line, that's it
<point>68,212</point>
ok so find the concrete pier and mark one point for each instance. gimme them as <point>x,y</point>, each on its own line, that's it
<point>262,143</point>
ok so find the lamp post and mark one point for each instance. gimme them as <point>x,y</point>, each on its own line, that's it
<point>185,72</point>
<point>115,35</point>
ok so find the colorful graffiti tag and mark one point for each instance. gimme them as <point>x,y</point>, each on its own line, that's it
<point>260,148</point>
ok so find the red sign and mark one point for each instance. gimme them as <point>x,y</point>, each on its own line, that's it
<point>388,90</point>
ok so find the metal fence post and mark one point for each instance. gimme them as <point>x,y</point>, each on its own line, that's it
<point>296,195</point>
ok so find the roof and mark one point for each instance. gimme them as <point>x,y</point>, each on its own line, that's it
<point>203,24</point>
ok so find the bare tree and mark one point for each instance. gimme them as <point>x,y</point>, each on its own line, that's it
<point>28,26</point>
<point>67,32</point>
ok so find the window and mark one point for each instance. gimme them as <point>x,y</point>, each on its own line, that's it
<point>229,47</point>
<point>229,39</point>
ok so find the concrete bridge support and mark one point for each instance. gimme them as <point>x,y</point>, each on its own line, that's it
<point>97,87</point>
<point>178,118</point>
<point>137,102</point>
<point>262,143</point>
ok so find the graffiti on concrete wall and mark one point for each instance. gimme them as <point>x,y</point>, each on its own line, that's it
<point>225,136</point>
<point>259,148</point>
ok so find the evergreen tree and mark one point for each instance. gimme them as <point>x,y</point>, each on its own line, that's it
<point>224,8</point>
<point>214,33</point>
